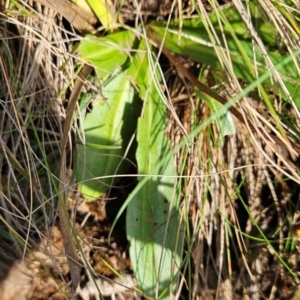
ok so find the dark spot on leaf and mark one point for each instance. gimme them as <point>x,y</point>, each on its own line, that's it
<point>154,223</point>
<point>136,219</point>
<point>165,201</point>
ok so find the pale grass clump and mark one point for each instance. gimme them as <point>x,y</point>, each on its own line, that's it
<point>36,71</point>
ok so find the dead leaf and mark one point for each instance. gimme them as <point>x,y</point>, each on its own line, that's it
<point>82,19</point>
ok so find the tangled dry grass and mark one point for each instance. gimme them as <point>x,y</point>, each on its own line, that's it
<point>237,199</point>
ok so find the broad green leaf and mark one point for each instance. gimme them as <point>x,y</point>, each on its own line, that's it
<point>193,40</point>
<point>108,125</point>
<point>107,53</point>
<point>153,218</point>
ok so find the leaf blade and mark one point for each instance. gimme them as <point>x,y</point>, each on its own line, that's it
<point>155,249</point>
<point>106,137</point>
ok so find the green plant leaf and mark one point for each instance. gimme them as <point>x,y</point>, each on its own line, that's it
<point>152,221</point>
<point>194,40</point>
<point>107,53</point>
<point>108,126</point>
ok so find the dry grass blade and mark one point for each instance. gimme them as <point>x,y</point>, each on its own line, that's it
<point>66,226</point>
